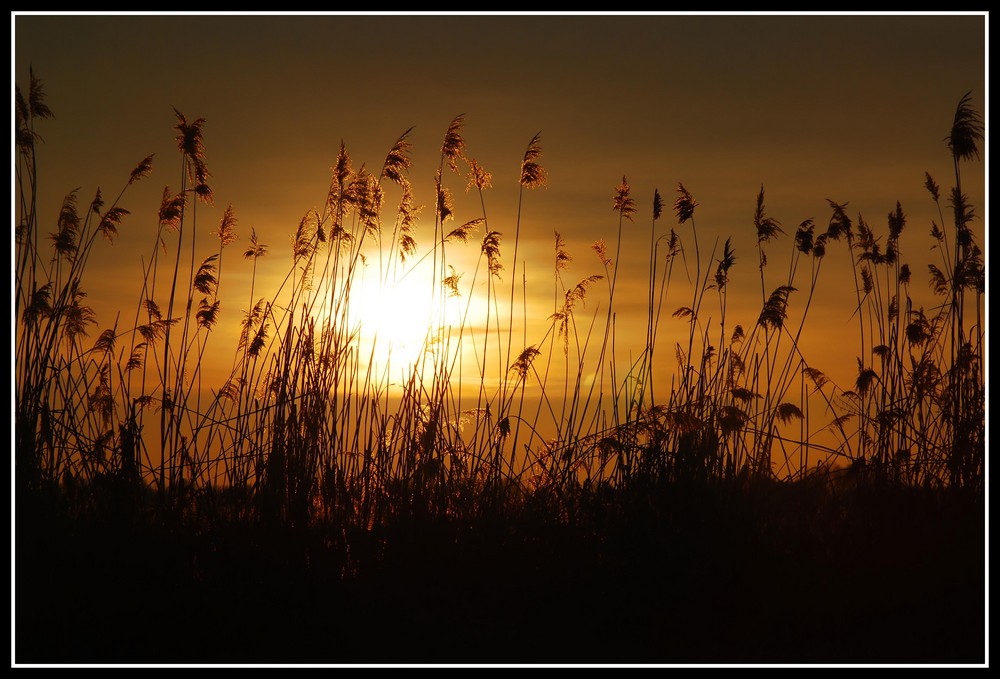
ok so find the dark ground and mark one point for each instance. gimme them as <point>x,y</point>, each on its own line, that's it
<point>702,576</point>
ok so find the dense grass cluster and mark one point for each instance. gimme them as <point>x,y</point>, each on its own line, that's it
<point>304,433</point>
<point>305,429</point>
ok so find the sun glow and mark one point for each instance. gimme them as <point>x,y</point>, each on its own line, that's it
<point>397,322</point>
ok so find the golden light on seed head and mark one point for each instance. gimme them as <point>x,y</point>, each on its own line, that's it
<point>532,174</point>
<point>478,177</point>
<point>453,147</point>
<point>623,204</point>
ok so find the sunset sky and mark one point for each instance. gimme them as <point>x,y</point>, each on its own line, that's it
<point>852,108</point>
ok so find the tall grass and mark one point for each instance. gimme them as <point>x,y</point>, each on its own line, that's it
<point>309,425</point>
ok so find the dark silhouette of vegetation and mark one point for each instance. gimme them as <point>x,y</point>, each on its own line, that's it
<point>297,513</point>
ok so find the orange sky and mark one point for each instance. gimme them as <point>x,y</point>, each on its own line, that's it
<point>849,108</point>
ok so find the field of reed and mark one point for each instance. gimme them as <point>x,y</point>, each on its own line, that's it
<point>500,495</point>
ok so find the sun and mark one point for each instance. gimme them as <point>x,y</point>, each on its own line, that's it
<point>397,321</point>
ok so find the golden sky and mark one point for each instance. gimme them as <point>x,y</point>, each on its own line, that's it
<point>851,108</point>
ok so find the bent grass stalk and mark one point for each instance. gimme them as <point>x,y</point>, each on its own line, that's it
<point>307,427</point>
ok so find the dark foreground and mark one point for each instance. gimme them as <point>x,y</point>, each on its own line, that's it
<point>701,575</point>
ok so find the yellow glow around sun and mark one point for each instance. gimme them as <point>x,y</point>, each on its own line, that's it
<point>395,321</point>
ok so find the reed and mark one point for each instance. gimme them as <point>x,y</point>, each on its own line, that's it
<point>308,425</point>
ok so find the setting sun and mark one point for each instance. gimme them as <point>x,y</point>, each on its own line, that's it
<point>398,322</point>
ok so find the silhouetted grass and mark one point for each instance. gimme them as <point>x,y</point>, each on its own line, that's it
<point>308,509</point>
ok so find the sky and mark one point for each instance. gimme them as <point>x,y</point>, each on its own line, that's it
<point>851,108</point>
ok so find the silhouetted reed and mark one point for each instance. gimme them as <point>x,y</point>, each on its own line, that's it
<point>307,427</point>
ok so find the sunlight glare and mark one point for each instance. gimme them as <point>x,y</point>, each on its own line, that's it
<point>396,321</point>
